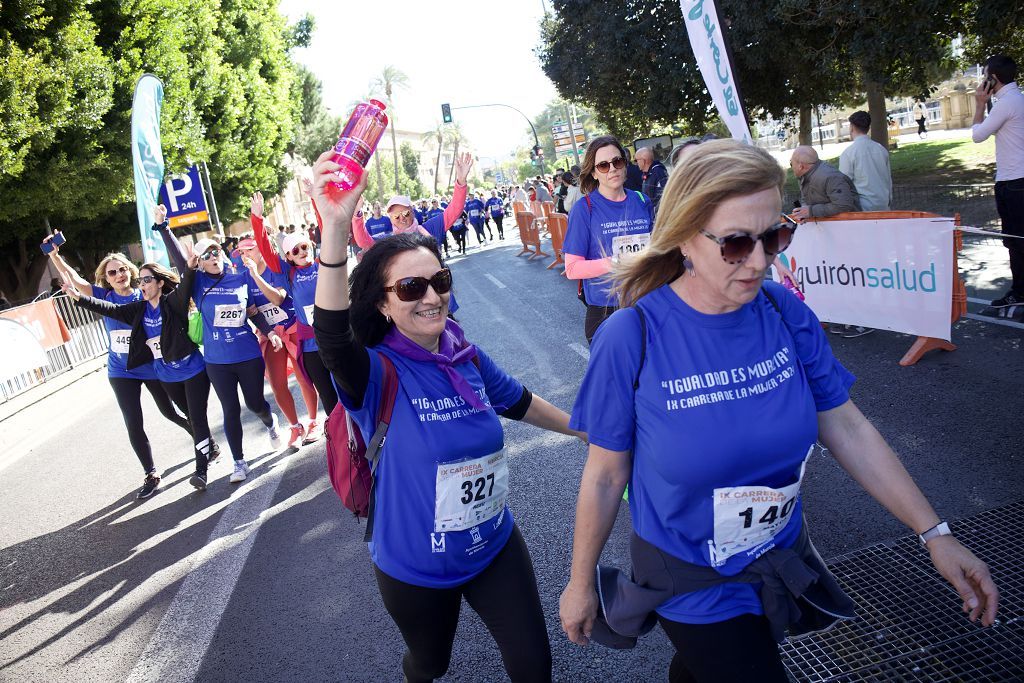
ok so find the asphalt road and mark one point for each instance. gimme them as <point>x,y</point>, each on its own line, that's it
<point>270,580</point>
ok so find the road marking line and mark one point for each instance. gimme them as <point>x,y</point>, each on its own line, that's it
<point>496,281</point>
<point>994,321</point>
<point>176,649</point>
<point>580,349</point>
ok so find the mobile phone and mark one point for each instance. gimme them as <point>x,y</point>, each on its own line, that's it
<point>990,83</point>
<point>55,241</point>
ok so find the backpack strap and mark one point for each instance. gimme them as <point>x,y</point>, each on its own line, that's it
<point>376,444</point>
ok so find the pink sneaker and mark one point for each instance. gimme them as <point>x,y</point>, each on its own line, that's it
<point>313,433</point>
<point>297,433</point>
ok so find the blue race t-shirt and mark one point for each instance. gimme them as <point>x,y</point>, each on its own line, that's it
<point>227,337</point>
<point>379,227</point>
<point>606,228</point>
<point>475,211</point>
<point>302,285</point>
<point>275,315</point>
<point>432,424</point>
<point>168,371</point>
<point>421,215</point>
<point>119,336</point>
<point>496,208</point>
<point>724,401</point>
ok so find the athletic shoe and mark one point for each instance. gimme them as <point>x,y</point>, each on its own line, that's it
<point>296,433</point>
<point>274,433</point>
<point>854,332</point>
<point>1010,299</point>
<point>198,480</point>
<point>241,472</point>
<point>313,433</point>
<point>214,451</point>
<point>149,486</point>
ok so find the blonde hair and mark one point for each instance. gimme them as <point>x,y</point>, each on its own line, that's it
<point>717,170</point>
<point>101,270</point>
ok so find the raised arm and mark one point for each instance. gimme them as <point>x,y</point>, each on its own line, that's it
<point>275,295</point>
<point>359,234</point>
<point>259,233</point>
<point>67,272</point>
<point>175,250</point>
<point>179,298</point>
<point>121,312</point>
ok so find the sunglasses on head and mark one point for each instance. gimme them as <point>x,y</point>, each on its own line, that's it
<point>414,288</point>
<point>300,249</point>
<point>617,163</point>
<point>146,279</point>
<point>117,271</point>
<point>736,248</point>
<point>211,253</point>
<point>405,215</point>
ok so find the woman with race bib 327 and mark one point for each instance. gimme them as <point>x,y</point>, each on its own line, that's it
<point>705,394</point>
<point>608,223</point>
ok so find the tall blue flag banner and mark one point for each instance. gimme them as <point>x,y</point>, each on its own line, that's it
<point>148,162</point>
<point>705,32</point>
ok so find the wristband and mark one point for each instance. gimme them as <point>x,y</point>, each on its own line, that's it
<point>339,264</point>
<point>940,529</point>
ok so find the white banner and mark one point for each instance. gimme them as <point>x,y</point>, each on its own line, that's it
<point>891,274</point>
<point>705,33</point>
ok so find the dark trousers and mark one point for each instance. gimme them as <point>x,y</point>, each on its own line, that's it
<point>195,393</point>
<point>1010,205</point>
<point>479,228</point>
<point>321,379</point>
<point>595,316</point>
<point>737,650</point>
<point>460,240</point>
<point>921,130</point>
<point>227,379</point>
<point>128,393</point>
<point>497,223</point>
<point>506,598</point>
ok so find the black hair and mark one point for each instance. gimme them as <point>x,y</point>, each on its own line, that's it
<point>1002,67</point>
<point>369,278</point>
<point>862,121</point>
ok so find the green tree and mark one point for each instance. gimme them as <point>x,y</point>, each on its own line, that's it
<point>555,112</point>
<point>388,80</point>
<point>436,137</point>
<point>318,129</point>
<point>411,168</point>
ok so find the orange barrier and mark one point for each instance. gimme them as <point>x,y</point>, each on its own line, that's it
<point>923,344</point>
<point>558,223</point>
<point>41,318</point>
<point>529,235</point>
<point>520,207</point>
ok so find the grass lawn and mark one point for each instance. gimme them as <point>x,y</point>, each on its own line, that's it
<point>938,162</point>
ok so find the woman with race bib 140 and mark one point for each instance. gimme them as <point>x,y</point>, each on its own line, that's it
<point>608,223</point>
<point>441,529</point>
<point>705,394</point>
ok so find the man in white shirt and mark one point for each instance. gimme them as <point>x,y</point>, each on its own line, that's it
<point>1006,122</point>
<point>867,164</point>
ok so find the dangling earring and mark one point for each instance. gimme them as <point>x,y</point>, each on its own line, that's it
<point>388,318</point>
<point>688,265</point>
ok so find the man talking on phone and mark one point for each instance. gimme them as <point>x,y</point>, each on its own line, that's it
<point>1005,120</point>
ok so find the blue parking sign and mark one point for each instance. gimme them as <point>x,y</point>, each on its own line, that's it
<point>183,196</point>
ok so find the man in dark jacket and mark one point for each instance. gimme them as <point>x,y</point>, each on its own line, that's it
<point>824,190</point>
<point>655,175</point>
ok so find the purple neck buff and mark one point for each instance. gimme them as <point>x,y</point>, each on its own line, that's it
<point>452,350</point>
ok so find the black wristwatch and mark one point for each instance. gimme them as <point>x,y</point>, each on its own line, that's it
<point>940,529</point>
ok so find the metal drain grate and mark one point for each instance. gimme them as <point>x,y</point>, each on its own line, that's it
<point>910,627</point>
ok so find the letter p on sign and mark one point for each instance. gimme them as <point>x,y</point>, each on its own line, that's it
<point>184,183</point>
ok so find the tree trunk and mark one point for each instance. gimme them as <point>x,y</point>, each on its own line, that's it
<point>394,143</point>
<point>879,116</point>
<point>804,134</point>
<point>380,179</point>
<point>20,278</point>
<point>437,166</point>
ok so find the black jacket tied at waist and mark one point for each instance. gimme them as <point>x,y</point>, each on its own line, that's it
<point>798,592</point>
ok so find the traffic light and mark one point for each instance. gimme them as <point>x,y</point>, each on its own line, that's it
<point>446,112</point>
<point>538,151</point>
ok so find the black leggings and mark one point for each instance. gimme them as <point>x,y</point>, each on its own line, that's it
<point>226,379</point>
<point>504,595</point>
<point>501,231</point>
<point>460,240</point>
<point>595,316</point>
<point>479,232</point>
<point>321,379</point>
<point>128,393</point>
<point>737,650</point>
<point>195,393</point>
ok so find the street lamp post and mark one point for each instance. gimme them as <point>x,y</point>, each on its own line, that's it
<point>536,140</point>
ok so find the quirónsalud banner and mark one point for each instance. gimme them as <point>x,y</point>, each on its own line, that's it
<point>891,274</point>
<point>148,162</point>
<point>705,33</point>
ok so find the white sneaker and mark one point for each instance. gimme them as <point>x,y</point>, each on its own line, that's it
<point>241,472</point>
<point>274,433</point>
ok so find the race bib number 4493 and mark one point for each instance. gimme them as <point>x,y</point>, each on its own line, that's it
<point>470,492</point>
<point>120,340</point>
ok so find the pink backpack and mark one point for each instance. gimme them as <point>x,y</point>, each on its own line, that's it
<point>351,463</point>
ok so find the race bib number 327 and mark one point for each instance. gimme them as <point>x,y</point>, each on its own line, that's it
<point>470,492</point>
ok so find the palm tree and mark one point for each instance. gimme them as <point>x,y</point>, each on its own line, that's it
<point>454,136</point>
<point>387,81</point>
<point>435,137</point>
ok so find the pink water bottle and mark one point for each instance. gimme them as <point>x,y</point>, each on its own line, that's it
<point>358,141</point>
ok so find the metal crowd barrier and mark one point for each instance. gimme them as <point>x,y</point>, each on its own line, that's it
<point>88,340</point>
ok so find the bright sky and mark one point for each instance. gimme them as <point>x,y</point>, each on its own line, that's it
<point>457,51</point>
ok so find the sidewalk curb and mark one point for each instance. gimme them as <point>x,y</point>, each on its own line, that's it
<point>39,393</point>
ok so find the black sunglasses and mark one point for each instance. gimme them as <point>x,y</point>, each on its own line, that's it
<point>146,279</point>
<point>616,163</point>
<point>736,248</point>
<point>413,288</point>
